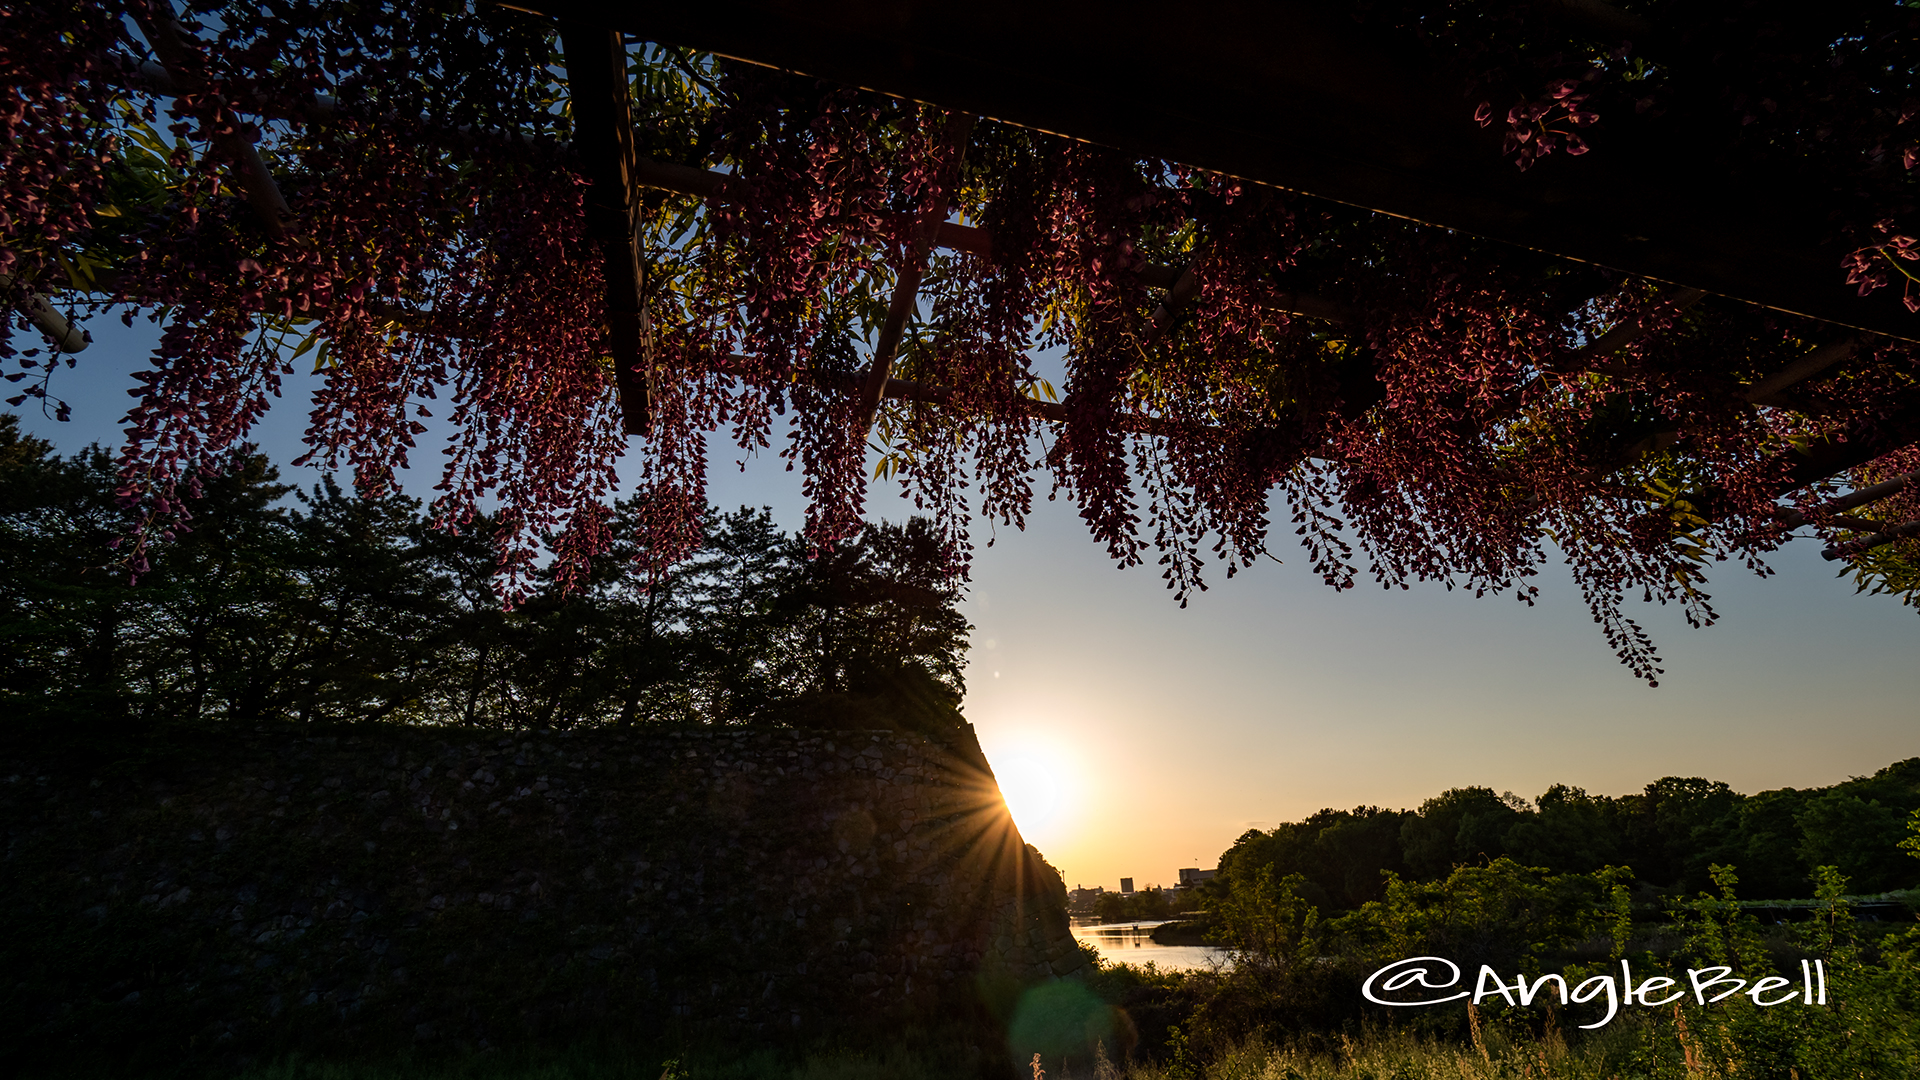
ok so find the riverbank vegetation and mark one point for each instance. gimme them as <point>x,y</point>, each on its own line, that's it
<point>1291,1006</point>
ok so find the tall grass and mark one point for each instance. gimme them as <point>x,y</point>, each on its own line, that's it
<point>1407,1056</point>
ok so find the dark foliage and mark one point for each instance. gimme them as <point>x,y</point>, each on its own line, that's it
<point>1670,834</point>
<point>339,608</point>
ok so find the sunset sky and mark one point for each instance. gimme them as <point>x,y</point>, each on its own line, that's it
<point>1165,733</point>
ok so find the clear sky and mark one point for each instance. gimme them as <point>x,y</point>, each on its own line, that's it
<point>1163,733</point>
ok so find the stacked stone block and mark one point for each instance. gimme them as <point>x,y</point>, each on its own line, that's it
<point>397,885</point>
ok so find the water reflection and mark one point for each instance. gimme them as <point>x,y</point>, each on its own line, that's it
<point>1132,943</point>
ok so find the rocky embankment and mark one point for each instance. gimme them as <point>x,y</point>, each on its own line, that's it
<point>425,885</point>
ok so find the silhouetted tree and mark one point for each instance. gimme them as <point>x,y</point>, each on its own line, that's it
<point>67,618</point>
<point>334,607</point>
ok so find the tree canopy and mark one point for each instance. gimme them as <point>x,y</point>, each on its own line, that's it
<point>329,607</point>
<point>575,236</point>
<point>1671,834</point>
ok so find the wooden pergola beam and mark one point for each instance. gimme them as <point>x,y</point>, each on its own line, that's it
<point>1299,94</point>
<point>1906,530</point>
<point>1793,519</point>
<point>1051,412</point>
<point>1767,391</point>
<point>1823,461</point>
<point>1626,332</point>
<point>47,319</point>
<point>1288,93</point>
<point>1812,465</point>
<point>596,60</point>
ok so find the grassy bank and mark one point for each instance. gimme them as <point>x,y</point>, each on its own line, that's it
<point>1406,1056</point>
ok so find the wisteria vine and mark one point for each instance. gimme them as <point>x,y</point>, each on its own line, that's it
<point>1421,405</point>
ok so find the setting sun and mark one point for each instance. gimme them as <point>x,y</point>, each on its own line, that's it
<point>1031,792</point>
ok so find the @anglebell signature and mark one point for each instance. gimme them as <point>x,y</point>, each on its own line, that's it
<point>1418,973</point>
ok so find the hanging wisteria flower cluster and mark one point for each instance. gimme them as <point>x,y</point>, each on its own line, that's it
<point>397,194</point>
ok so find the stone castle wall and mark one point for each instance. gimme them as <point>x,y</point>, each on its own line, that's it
<point>392,886</point>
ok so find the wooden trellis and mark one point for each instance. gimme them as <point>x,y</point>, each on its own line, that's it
<point>1298,94</point>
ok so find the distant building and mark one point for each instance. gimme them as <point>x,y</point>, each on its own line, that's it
<point>1082,897</point>
<point>1193,875</point>
<point>1126,886</point>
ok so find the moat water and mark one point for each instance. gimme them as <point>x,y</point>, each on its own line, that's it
<point>1132,943</point>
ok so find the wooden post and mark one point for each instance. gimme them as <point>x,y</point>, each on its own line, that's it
<point>596,60</point>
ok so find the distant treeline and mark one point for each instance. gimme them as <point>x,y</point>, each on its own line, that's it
<point>1144,906</point>
<point>1670,834</point>
<point>337,608</point>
